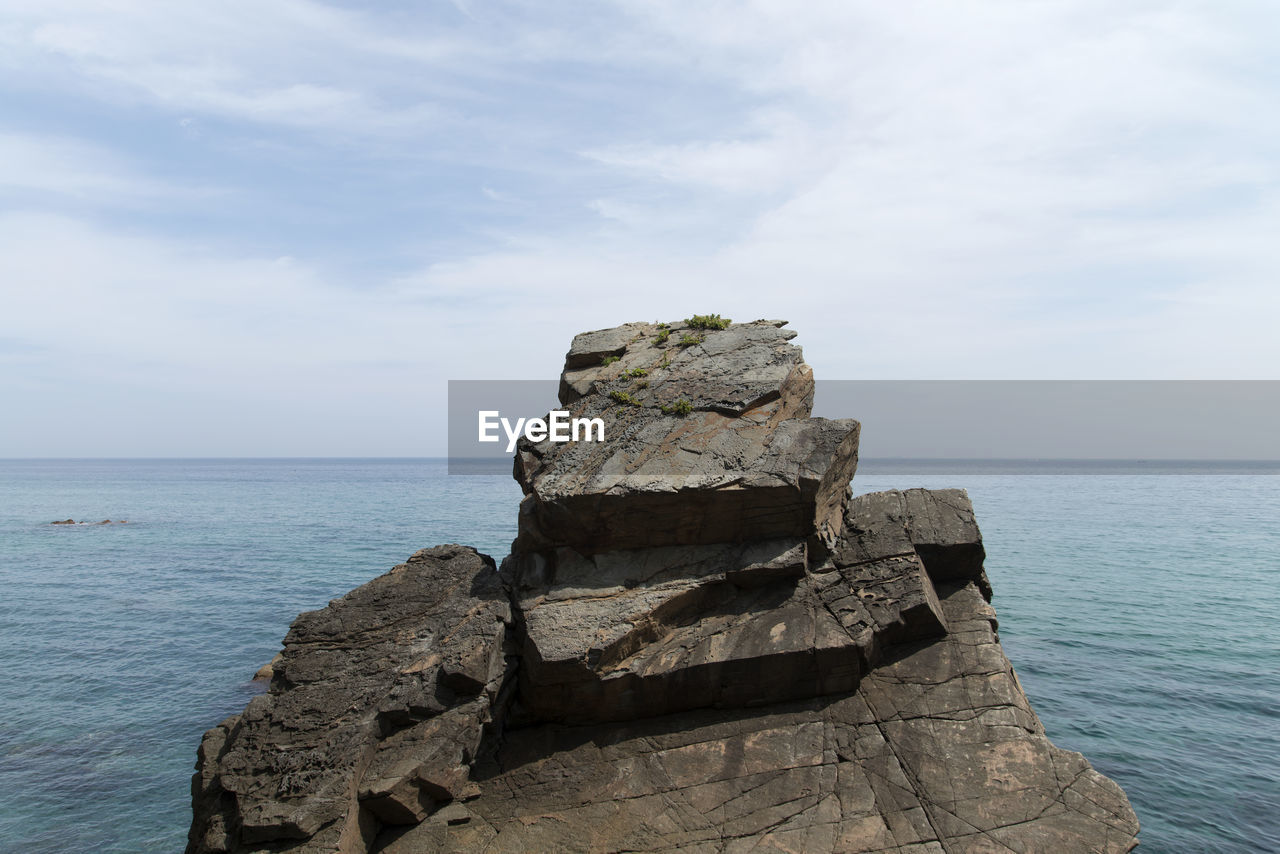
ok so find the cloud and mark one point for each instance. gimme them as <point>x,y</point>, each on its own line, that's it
<point>38,167</point>
<point>965,190</point>
<point>123,344</point>
<point>1030,188</point>
<point>138,300</point>
<point>781,155</point>
<point>292,63</point>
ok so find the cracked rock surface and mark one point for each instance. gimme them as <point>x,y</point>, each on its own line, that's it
<point>936,750</point>
<point>700,642</point>
<point>375,709</point>
<point>745,462</point>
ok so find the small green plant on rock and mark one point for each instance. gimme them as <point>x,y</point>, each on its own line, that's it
<point>609,360</point>
<point>661,337</point>
<point>680,407</point>
<point>623,397</point>
<point>708,321</point>
<point>688,340</point>
<point>637,372</point>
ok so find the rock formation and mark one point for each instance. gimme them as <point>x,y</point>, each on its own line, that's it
<point>700,642</point>
<point>103,522</point>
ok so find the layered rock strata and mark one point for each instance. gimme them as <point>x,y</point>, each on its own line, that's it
<point>709,441</point>
<point>700,642</point>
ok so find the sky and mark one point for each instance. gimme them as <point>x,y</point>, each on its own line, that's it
<point>279,229</point>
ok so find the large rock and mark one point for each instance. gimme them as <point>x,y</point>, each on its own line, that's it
<point>625,634</point>
<point>733,370</point>
<point>936,525</point>
<point>376,708</point>
<point>936,750</point>
<point>700,642</point>
<point>620,635</point>
<point>744,462</point>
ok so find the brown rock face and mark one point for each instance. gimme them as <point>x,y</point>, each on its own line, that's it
<point>700,642</point>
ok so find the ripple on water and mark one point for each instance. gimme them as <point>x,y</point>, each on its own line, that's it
<point>1140,612</point>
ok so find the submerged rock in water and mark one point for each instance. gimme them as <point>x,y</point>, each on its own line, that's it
<point>103,522</point>
<point>268,671</point>
<point>700,642</point>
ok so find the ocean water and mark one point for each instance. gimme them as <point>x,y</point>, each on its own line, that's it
<point>1141,610</point>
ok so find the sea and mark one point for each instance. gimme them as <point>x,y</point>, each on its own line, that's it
<point>1139,602</point>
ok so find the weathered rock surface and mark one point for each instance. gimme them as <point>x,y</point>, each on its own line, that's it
<point>937,525</point>
<point>376,707</point>
<point>745,462</point>
<point>639,633</point>
<point>700,642</point>
<point>935,751</point>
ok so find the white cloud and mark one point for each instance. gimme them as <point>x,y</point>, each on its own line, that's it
<point>40,166</point>
<point>972,189</point>
<point>782,154</point>
<point>138,299</point>
<point>291,63</point>
<point>116,343</point>
<point>995,189</point>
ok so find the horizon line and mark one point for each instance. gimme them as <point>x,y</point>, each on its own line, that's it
<point>446,458</point>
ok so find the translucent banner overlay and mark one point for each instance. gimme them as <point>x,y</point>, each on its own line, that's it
<point>979,426</point>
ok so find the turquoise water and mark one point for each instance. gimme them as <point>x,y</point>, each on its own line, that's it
<point>1141,610</point>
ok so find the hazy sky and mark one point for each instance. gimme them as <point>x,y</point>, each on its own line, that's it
<point>279,228</point>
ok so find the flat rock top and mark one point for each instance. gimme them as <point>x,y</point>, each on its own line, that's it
<point>670,409</point>
<point>729,370</point>
<point>398,600</point>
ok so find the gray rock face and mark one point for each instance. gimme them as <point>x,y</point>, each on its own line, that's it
<point>935,751</point>
<point>376,707</point>
<point>644,632</point>
<point>730,370</point>
<point>937,525</point>
<point>744,462</point>
<point>639,633</point>
<point>700,642</point>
